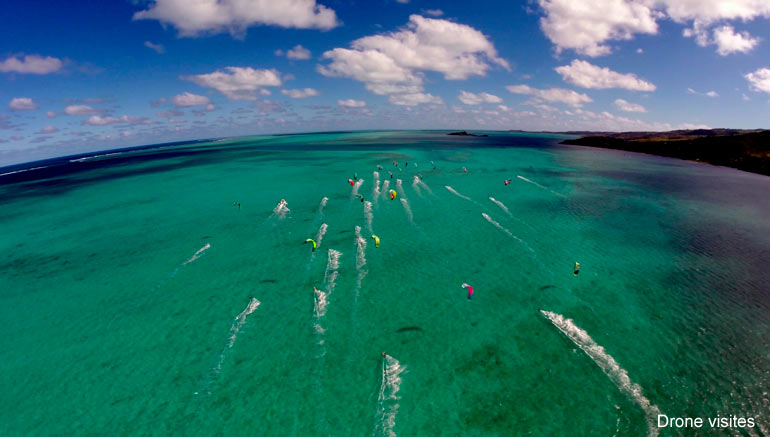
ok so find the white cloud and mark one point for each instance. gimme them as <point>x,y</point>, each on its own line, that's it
<point>587,75</point>
<point>238,83</point>
<point>22,104</point>
<point>728,41</point>
<point>413,99</point>
<point>402,1</point>
<point>187,99</point>
<point>434,12</point>
<point>50,114</point>
<point>759,80</point>
<point>476,99</point>
<point>639,51</point>
<point>158,48</point>
<point>298,53</point>
<point>558,95</point>
<point>350,103</point>
<point>31,64</point>
<point>393,64</point>
<point>96,120</point>
<point>300,93</point>
<point>586,26</point>
<point>214,16</point>
<point>711,94</point>
<point>48,130</point>
<point>628,106</point>
<point>80,110</point>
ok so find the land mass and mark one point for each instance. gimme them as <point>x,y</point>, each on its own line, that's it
<point>466,134</point>
<point>747,150</point>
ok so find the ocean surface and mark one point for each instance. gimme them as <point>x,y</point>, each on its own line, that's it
<point>138,298</point>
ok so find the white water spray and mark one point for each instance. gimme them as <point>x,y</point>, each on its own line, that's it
<point>501,205</point>
<point>453,191</point>
<point>385,186</point>
<point>376,185</point>
<point>387,401</point>
<point>198,254</point>
<point>240,319</point>
<point>408,210</point>
<point>425,186</point>
<point>281,209</point>
<point>507,232</point>
<point>320,236</point>
<point>356,187</point>
<point>323,204</point>
<point>416,185</point>
<point>611,368</point>
<point>400,188</point>
<point>541,186</point>
<point>368,215</point>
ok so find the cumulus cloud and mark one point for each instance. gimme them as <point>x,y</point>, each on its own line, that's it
<point>238,83</point>
<point>48,129</point>
<point>434,12</point>
<point>158,48</point>
<point>476,99</point>
<point>351,103</point>
<point>586,26</point>
<point>22,104</point>
<point>50,114</point>
<point>393,64</point>
<point>587,75</point>
<point>235,16</point>
<point>413,99</point>
<point>300,93</point>
<point>728,41</point>
<point>628,106</point>
<point>96,120</point>
<point>31,64</point>
<point>172,113</point>
<point>711,94</point>
<point>759,80</point>
<point>188,99</point>
<point>556,95</point>
<point>298,52</point>
<point>80,110</point>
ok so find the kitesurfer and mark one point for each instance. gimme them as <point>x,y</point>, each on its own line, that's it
<point>577,269</point>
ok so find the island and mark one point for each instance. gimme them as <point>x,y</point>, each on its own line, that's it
<point>466,134</point>
<point>747,150</point>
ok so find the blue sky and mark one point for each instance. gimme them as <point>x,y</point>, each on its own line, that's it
<point>82,76</point>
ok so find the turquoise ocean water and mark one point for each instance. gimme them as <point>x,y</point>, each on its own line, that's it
<point>137,299</point>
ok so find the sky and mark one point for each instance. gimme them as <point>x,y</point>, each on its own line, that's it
<point>84,76</point>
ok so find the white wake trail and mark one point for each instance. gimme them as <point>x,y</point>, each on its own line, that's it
<point>408,210</point>
<point>501,205</point>
<point>424,185</point>
<point>360,259</point>
<point>611,368</point>
<point>376,185</point>
<point>507,232</point>
<point>385,186</point>
<point>453,191</point>
<point>240,319</point>
<point>356,187</point>
<point>198,254</point>
<point>368,215</point>
<point>541,186</point>
<point>416,185</point>
<point>323,204</point>
<point>320,236</point>
<point>281,209</point>
<point>387,401</point>
<point>400,188</point>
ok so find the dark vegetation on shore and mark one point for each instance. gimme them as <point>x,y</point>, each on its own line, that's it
<point>747,150</point>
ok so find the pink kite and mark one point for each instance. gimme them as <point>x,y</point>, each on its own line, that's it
<point>470,290</point>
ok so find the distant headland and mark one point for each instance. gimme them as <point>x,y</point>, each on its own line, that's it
<point>747,150</point>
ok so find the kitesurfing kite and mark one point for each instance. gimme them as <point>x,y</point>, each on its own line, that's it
<point>470,290</point>
<point>310,240</point>
<point>392,194</point>
<point>376,240</point>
